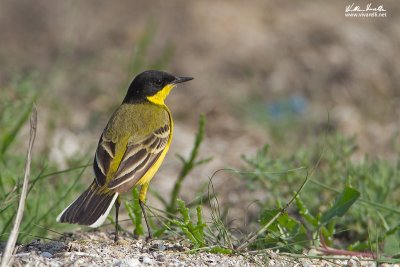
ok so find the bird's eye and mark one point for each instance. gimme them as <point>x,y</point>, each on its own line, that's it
<point>158,82</point>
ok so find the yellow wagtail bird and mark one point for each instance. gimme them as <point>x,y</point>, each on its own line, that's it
<point>130,150</point>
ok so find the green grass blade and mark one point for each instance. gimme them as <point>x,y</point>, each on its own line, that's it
<point>342,204</point>
<point>10,136</point>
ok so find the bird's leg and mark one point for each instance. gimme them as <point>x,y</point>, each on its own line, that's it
<point>142,199</point>
<point>117,204</point>
<point>145,219</point>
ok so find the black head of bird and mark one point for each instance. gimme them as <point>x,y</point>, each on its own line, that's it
<point>148,84</point>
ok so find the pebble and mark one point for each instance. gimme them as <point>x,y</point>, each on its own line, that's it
<point>353,262</point>
<point>46,254</point>
<point>146,260</point>
<point>306,263</point>
<point>161,247</point>
<point>130,262</point>
<point>160,258</point>
<point>122,242</point>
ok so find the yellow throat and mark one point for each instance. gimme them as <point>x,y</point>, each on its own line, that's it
<point>161,95</point>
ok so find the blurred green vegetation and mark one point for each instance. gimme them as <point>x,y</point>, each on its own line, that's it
<point>366,192</point>
<point>47,187</point>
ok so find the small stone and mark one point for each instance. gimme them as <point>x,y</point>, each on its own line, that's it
<point>353,262</point>
<point>130,262</point>
<point>147,260</point>
<point>160,258</point>
<point>46,254</point>
<point>306,262</point>
<point>122,242</point>
<point>157,246</point>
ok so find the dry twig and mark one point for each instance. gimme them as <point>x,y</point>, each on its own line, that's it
<point>12,239</point>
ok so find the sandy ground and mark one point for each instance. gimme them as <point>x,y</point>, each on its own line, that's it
<point>99,249</point>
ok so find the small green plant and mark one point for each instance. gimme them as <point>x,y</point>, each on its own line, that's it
<point>135,212</point>
<point>193,231</point>
<point>361,217</point>
<point>324,224</point>
<point>187,166</point>
<point>285,233</point>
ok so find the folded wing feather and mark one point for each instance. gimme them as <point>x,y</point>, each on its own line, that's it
<point>137,160</point>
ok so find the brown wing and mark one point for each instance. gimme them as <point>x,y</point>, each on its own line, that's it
<point>137,160</point>
<point>105,153</point>
<point>139,157</point>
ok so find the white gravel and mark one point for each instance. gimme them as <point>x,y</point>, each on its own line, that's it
<point>99,249</point>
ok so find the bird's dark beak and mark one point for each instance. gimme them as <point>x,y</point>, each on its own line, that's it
<point>181,80</point>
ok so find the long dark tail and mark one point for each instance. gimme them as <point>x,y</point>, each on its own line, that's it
<point>91,208</point>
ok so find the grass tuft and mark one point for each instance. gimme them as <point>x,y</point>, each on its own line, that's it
<point>193,231</point>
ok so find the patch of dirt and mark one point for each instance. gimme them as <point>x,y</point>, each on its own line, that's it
<point>99,249</point>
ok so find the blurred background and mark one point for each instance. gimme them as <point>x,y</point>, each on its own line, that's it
<point>283,73</point>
